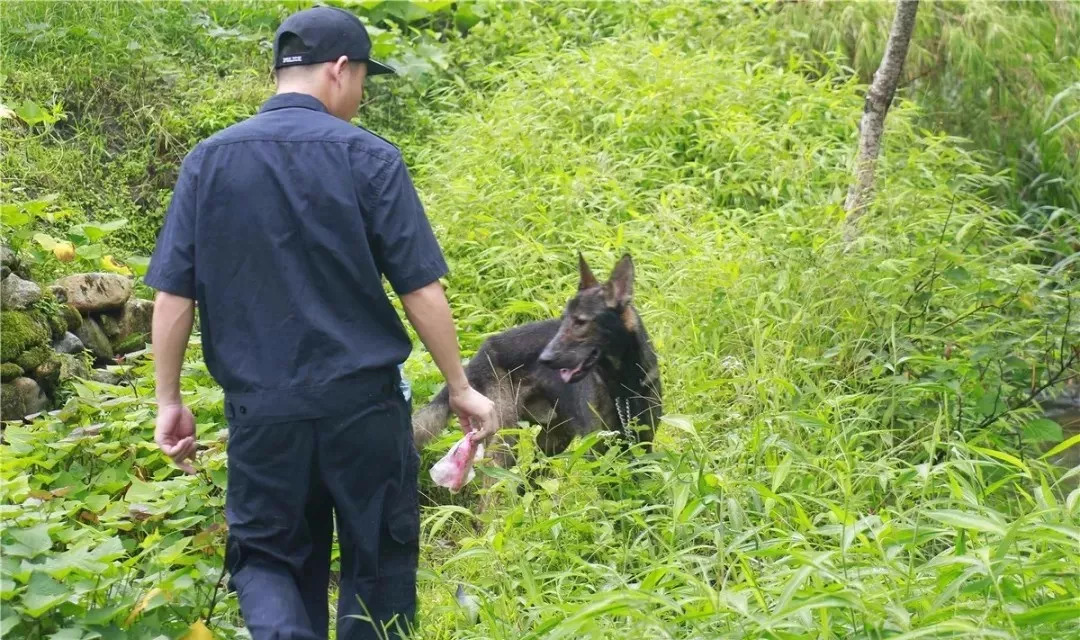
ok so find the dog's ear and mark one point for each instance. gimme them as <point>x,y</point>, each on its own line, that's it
<point>619,290</point>
<point>588,280</point>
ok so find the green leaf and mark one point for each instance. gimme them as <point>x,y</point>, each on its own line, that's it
<point>1043,430</point>
<point>957,275</point>
<point>68,634</point>
<point>139,264</point>
<point>1049,613</point>
<point>14,215</point>
<point>43,594</point>
<point>31,113</point>
<point>32,542</point>
<point>46,241</point>
<point>965,520</point>
<point>1073,441</point>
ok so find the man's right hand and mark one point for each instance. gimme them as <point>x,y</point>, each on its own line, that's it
<point>475,411</point>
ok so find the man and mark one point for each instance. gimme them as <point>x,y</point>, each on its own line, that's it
<point>281,228</point>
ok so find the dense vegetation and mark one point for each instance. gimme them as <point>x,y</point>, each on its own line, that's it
<point>850,448</point>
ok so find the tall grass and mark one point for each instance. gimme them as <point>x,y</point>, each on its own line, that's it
<point>1004,74</point>
<point>824,472</point>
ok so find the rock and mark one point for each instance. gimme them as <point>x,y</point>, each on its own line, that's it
<point>72,316</point>
<point>138,317</point>
<point>72,366</point>
<point>19,294</point>
<point>94,292</point>
<point>33,357</point>
<point>110,324</point>
<point>5,271</point>
<point>21,397</point>
<point>105,377</point>
<point>59,293</point>
<point>20,331</point>
<point>11,404</point>
<point>95,339</point>
<point>9,260</point>
<point>68,343</point>
<point>131,344</point>
<point>9,371</point>
<point>129,330</point>
<point>47,374</point>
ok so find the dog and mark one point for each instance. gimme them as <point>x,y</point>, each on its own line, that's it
<point>593,369</point>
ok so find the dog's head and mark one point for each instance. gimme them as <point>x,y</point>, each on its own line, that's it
<point>598,316</point>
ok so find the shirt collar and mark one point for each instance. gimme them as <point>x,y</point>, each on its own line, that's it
<point>287,100</point>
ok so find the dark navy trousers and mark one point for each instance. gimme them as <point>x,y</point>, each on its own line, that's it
<point>288,482</point>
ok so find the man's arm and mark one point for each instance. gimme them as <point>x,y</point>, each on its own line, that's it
<point>429,313</point>
<point>175,429</point>
<point>173,318</point>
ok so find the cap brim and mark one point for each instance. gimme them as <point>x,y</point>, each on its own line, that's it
<point>375,68</point>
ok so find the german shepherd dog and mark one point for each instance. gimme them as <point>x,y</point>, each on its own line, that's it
<point>593,369</point>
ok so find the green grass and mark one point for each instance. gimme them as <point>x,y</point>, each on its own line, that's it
<point>838,458</point>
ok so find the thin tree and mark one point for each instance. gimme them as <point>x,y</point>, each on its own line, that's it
<point>878,99</point>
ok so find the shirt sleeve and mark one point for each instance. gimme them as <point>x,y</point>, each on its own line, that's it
<point>172,266</point>
<point>402,242</point>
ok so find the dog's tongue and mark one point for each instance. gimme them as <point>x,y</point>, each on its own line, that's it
<point>566,374</point>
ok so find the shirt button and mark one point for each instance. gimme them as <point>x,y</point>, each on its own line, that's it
<point>243,409</point>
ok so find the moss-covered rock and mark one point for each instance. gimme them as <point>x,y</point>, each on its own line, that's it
<point>21,331</point>
<point>111,325</point>
<point>72,366</point>
<point>73,318</point>
<point>131,343</point>
<point>34,357</point>
<point>94,339</point>
<point>57,324</point>
<point>47,373</point>
<point>11,402</point>
<point>9,371</point>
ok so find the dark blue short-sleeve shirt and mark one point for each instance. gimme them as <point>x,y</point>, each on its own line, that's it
<point>282,228</point>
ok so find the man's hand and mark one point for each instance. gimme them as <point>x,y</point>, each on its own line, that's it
<point>175,434</point>
<point>475,411</point>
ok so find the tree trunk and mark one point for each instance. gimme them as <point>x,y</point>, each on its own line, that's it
<point>872,125</point>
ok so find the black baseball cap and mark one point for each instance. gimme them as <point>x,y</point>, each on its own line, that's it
<point>325,34</point>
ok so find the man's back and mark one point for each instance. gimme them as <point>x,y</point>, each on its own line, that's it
<point>297,216</point>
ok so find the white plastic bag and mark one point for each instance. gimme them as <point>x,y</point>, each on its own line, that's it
<point>455,469</point>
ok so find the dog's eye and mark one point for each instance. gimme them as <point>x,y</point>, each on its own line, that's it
<point>578,321</point>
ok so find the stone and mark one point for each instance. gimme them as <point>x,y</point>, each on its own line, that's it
<point>72,316</point>
<point>68,343</point>
<point>59,293</point>
<point>72,366</point>
<point>110,324</point>
<point>47,374</point>
<point>104,376</point>
<point>94,339</point>
<point>95,292</point>
<point>11,404</point>
<point>138,317</point>
<point>131,344</point>
<point>129,330</point>
<point>9,371</point>
<point>18,294</point>
<point>33,357</point>
<point>5,271</point>
<point>22,397</point>
<point>20,331</point>
<point>8,258</point>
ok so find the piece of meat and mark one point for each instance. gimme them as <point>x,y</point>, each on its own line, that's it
<point>455,469</point>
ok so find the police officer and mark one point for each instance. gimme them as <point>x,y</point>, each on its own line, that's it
<point>281,229</point>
